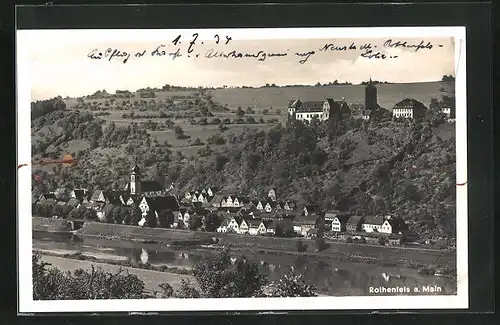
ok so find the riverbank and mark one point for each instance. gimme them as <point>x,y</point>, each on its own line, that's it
<point>152,279</point>
<point>123,262</point>
<point>355,253</point>
<point>50,225</point>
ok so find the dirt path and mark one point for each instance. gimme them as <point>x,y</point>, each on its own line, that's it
<point>151,279</point>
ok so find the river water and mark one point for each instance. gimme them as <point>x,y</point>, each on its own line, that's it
<point>336,278</point>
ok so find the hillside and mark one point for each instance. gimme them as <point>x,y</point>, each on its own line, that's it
<point>404,168</point>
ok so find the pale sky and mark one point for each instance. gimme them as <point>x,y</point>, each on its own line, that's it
<point>63,68</point>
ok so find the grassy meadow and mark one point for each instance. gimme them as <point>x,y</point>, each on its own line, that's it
<point>273,99</point>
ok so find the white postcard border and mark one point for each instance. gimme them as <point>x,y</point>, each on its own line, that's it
<point>25,298</point>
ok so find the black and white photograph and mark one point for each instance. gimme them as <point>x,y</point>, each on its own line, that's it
<point>235,169</point>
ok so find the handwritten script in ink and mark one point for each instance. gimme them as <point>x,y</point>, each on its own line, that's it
<point>221,48</point>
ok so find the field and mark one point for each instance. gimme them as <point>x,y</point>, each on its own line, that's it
<point>388,94</point>
<point>274,99</point>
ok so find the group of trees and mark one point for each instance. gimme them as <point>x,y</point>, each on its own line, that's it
<point>43,107</point>
<point>50,283</point>
<point>215,278</point>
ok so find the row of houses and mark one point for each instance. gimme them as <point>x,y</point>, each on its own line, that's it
<point>308,221</point>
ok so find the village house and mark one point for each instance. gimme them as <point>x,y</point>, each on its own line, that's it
<point>259,205</point>
<point>234,224</point>
<point>272,194</point>
<point>224,225</point>
<point>227,202</point>
<point>448,111</point>
<point>335,220</point>
<point>409,108</point>
<point>265,227</point>
<point>394,239</point>
<point>183,217</point>
<point>276,227</point>
<point>377,224</point>
<point>354,223</point>
<point>337,225</point>
<point>289,205</point>
<point>322,110</point>
<point>271,206</point>
<point>46,196</point>
<point>252,226</point>
<point>78,194</point>
<point>302,224</point>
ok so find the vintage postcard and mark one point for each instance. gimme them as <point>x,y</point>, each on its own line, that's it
<point>242,169</point>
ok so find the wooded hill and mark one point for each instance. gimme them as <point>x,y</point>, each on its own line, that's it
<point>402,168</point>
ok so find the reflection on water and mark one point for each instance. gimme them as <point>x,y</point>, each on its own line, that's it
<point>332,277</point>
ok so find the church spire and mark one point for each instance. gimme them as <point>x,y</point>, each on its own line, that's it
<point>136,168</point>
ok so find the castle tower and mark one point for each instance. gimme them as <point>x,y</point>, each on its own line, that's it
<point>135,180</point>
<point>371,96</point>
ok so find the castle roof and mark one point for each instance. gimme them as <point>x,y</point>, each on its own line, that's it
<point>408,103</point>
<point>311,106</point>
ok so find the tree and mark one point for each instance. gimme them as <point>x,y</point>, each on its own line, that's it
<point>77,213</point>
<point>240,111</point>
<point>167,289</point>
<point>195,223</point>
<point>212,222</point>
<point>151,219</point>
<point>220,162</point>
<point>217,279</point>
<point>53,284</point>
<point>90,215</point>
<point>319,157</point>
<point>166,218</point>
<point>291,285</point>
<point>434,104</point>
<point>179,132</point>
<point>135,215</point>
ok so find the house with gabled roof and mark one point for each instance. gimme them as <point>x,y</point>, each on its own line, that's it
<point>377,224</point>
<point>272,194</point>
<point>46,196</point>
<point>250,226</point>
<point>335,220</point>
<point>327,109</point>
<point>224,225</point>
<point>303,223</point>
<point>78,194</point>
<point>234,224</point>
<point>289,205</point>
<point>409,108</point>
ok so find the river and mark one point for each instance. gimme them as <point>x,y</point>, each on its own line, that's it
<point>335,278</point>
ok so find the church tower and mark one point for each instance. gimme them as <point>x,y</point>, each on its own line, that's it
<point>135,180</point>
<point>371,96</point>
